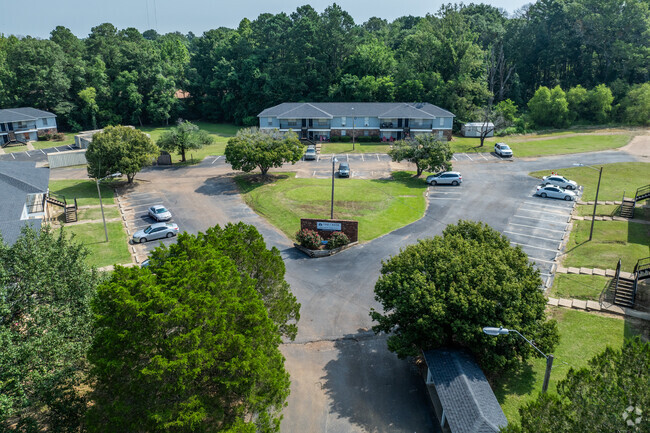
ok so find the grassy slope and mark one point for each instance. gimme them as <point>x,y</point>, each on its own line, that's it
<point>84,190</point>
<point>359,148</point>
<point>570,286</point>
<point>619,177</point>
<point>95,213</point>
<point>380,206</point>
<point>91,235</point>
<point>611,210</point>
<point>582,336</point>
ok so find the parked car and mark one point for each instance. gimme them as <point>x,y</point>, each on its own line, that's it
<point>446,177</point>
<point>310,154</point>
<point>159,213</point>
<point>560,181</point>
<point>344,169</point>
<point>156,231</point>
<point>502,149</point>
<point>555,192</point>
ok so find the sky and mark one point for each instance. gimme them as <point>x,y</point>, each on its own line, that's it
<point>39,17</point>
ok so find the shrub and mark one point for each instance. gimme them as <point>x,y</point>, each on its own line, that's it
<point>507,131</point>
<point>309,239</point>
<point>58,136</point>
<point>336,240</point>
<point>346,139</point>
<point>335,139</point>
<point>45,137</point>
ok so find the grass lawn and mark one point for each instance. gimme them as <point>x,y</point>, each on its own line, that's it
<point>358,148</point>
<point>582,336</point>
<point>612,240</point>
<point>13,148</point>
<point>91,235</point>
<point>611,210</point>
<point>530,145</point>
<point>586,287</point>
<point>380,206</point>
<point>84,190</point>
<point>68,139</point>
<point>95,213</point>
<point>220,131</point>
<point>619,177</point>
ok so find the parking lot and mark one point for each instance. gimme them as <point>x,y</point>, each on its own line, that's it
<point>36,155</point>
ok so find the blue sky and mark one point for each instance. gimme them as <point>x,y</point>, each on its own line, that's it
<point>41,16</point>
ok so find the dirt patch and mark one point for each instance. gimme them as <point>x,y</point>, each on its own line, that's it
<point>638,146</point>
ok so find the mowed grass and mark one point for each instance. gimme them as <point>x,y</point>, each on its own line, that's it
<point>84,190</point>
<point>611,210</point>
<point>611,240</point>
<point>585,287</point>
<point>327,148</point>
<point>380,206</point>
<point>618,177</point>
<point>532,145</point>
<point>95,213</point>
<point>221,132</point>
<point>91,235</point>
<point>582,336</point>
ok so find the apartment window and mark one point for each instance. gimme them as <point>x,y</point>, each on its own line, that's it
<point>322,122</point>
<point>442,121</point>
<point>439,134</point>
<point>365,122</point>
<point>343,132</point>
<point>343,121</point>
<point>293,123</point>
<point>269,121</point>
<point>45,119</point>
<point>366,132</point>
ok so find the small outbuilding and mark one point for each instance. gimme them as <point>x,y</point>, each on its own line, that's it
<point>475,129</point>
<point>461,395</point>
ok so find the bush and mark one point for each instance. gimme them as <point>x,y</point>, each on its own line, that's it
<point>338,239</point>
<point>58,136</point>
<point>45,137</point>
<point>309,239</point>
<point>507,131</point>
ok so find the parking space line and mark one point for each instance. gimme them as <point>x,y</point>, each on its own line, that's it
<point>535,259</point>
<point>563,222</point>
<point>12,155</point>
<point>347,157</point>
<point>454,156</point>
<point>443,198</point>
<point>537,228</point>
<point>483,156</point>
<point>533,247</point>
<point>28,154</point>
<point>546,205</point>
<point>362,158</point>
<point>57,149</point>
<point>440,192</point>
<point>470,158</point>
<point>69,147</point>
<point>565,214</point>
<point>215,160</point>
<point>378,157</point>
<point>532,236</point>
<point>43,152</point>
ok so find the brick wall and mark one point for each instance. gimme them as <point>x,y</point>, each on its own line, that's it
<point>41,132</point>
<point>350,228</point>
<point>445,132</point>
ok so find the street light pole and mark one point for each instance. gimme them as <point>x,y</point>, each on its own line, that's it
<point>593,217</point>
<point>334,161</point>
<point>101,205</point>
<point>353,134</point>
<point>549,358</point>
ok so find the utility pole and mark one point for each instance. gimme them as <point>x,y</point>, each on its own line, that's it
<point>593,217</point>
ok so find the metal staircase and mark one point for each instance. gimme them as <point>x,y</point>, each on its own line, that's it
<point>625,288</point>
<point>70,210</point>
<point>627,206</point>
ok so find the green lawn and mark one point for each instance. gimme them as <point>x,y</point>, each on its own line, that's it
<point>530,145</point>
<point>611,240</point>
<point>571,286</point>
<point>611,210</point>
<point>359,148</point>
<point>619,177</point>
<point>380,206</point>
<point>12,148</point>
<point>68,139</point>
<point>220,131</point>
<point>84,190</point>
<point>95,213</point>
<point>91,235</point>
<point>582,336</point>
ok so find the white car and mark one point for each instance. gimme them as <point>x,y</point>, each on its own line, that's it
<point>447,177</point>
<point>560,181</point>
<point>159,213</point>
<point>502,149</point>
<point>155,231</point>
<point>555,192</point>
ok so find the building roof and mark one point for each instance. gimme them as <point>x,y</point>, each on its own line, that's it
<point>327,110</point>
<point>17,179</point>
<point>479,124</point>
<point>23,114</point>
<point>465,394</point>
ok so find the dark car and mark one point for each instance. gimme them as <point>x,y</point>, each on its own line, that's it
<point>344,169</point>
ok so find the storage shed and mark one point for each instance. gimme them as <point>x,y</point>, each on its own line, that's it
<point>474,129</point>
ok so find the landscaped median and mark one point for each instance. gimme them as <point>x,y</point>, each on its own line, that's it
<point>89,228</point>
<point>380,205</point>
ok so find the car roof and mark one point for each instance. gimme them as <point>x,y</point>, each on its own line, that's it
<point>312,149</point>
<point>345,163</point>
<point>156,225</point>
<point>157,206</point>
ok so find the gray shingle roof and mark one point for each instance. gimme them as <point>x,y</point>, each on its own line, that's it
<point>465,394</point>
<point>359,109</point>
<point>23,114</point>
<point>17,179</point>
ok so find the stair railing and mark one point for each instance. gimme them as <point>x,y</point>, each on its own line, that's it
<point>616,277</point>
<point>641,191</point>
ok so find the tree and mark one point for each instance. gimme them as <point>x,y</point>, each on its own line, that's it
<point>252,148</point>
<point>442,291</point>
<point>549,107</point>
<point>185,345</point>
<point>246,247</point>
<point>45,331</point>
<point>425,151</point>
<point>88,96</point>
<point>577,99</point>
<point>637,105</point>
<point>184,136</point>
<point>610,395</point>
<point>119,149</point>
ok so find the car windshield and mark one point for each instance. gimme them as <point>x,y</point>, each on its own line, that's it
<point>161,210</point>
<point>343,166</point>
<point>148,230</point>
<point>311,150</point>
<point>438,174</point>
<point>505,147</point>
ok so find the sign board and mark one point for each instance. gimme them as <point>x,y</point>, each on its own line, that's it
<point>320,225</point>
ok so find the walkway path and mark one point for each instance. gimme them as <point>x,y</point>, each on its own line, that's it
<point>593,306</point>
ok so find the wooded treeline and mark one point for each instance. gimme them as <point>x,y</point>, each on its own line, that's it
<point>459,58</point>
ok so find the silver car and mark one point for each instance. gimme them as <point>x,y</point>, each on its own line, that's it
<point>447,177</point>
<point>344,169</point>
<point>310,153</point>
<point>560,181</point>
<point>502,149</point>
<point>555,192</point>
<point>160,213</point>
<point>155,231</point>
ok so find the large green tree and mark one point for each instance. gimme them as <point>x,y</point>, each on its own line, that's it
<point>185,345</point>
<point>637,104</point>
<point>442,291</point>
<point>119,149</point>
<point>45,330</point>
<point>425,151</point>
<point>183,137</point>
<point>610,395</point>
<point>252,148</point>
<point>549,107</point>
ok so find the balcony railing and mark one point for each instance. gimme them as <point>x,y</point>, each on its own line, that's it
<point>309,125</point>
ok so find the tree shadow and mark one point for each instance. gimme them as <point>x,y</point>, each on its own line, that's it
<point>519,382</point>
<point>371,388</point>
